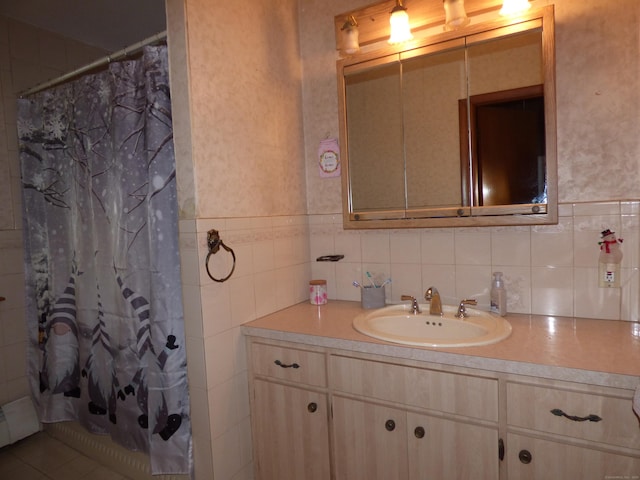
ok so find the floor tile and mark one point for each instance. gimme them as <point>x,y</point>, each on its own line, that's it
<point>41,457</point>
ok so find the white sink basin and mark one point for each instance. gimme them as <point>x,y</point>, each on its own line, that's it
<point>398,324</point>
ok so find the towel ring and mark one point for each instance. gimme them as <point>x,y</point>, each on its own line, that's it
<point>214,242</point>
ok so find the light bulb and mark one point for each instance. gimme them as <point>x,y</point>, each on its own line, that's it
<point>399,21</point>
<point>512,7</point>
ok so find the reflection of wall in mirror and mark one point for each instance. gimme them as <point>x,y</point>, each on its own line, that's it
<point>374,120</point>
<point>506,63</point>
<point>432,86</point>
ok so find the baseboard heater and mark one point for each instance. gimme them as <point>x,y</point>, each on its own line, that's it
<point>18,419</point>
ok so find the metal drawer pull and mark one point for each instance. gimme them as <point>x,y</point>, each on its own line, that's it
<point>312,407</point>
<point>284,365</point>
<point>419,432</point>
<point>591,418</point>
<point>390,425</point>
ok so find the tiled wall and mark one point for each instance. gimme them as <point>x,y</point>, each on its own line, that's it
<point>549,270</point>
<point>240,170</point>
<point>28,56</point>
<point>271,273</point>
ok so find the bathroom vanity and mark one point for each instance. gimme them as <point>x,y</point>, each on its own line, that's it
<point>554,400</point>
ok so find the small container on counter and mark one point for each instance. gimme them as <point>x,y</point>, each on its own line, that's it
<point>318,292</point>
<point>372,297</point>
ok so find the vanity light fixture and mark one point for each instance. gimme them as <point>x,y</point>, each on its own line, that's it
<point>350,36</point>
<point>455,14</point>
<point>399,21</point>
<point>513,7</point>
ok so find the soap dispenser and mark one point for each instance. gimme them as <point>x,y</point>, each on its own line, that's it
<point>498,295</point>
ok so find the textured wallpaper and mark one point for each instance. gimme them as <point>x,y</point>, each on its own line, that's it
<point>598,97</point>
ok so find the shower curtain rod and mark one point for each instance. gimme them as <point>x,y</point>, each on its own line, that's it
<point>130,50</point>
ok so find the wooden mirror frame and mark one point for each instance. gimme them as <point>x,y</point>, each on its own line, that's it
<point>499,215</point>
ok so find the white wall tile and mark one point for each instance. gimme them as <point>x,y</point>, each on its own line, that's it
<point>265,291</point>
<point>437,247</point>
<point>552,291</point>
<point>472,247</point>
<point>346,273</point>
<point>553,245</point>
<point>375,247</point>
<point>510,248</point>
<point>474,281</point>
<point>405,247</point>
<point>517,281</point>
<point>242,299</point>
<point>347,243</point>
<point>407,280</point>
<point>591,301</point>
<point>443,278</point>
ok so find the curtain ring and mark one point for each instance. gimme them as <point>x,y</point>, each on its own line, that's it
<point>214,242</point>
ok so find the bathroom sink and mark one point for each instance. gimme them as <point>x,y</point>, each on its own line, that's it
<point>398,324</point>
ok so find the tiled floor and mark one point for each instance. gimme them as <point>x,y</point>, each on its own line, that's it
<point>41,457</point>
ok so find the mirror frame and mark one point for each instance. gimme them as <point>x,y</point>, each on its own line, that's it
<point>501,215</point>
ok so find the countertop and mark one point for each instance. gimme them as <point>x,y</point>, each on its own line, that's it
<point>596,352</point>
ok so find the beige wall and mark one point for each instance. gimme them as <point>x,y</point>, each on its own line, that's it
<point>598,97</point>
<point>236,88</point>
<point>549,270</point>
<point>249,116</point>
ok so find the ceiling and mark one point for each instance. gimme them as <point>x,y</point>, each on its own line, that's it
<point>108,24</point>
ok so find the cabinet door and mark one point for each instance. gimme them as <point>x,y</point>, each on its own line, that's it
<point>370,441</point>
<point>446,449</point>
<point>291,432</point>
<point>536,459</point>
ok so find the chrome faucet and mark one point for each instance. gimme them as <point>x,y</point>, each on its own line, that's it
<point>435,304</point>
<point>415,308</point>
<point>462,310</point>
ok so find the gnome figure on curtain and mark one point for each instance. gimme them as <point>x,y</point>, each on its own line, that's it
<point>61,372</point>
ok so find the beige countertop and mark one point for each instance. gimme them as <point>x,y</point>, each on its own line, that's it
<point>597,352</point>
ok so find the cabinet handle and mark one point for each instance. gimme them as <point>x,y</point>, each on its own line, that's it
<point>312,407</point>
<point>591,418</point>
<point>501,449</point>
<point>525,456</point>
<point>284,365</point>
<point>419,432</point>
<point>390,425</point>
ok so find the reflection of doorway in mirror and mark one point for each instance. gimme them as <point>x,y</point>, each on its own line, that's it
<point>508,146</point>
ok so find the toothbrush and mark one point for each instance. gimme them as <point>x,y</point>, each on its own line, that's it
<point>356,284</point>
<point>371,280</point>
<point>388,280</point>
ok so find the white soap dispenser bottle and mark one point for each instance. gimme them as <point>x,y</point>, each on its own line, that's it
<point>498,295</point>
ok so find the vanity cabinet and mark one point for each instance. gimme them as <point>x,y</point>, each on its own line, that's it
<point>374,441</point>
<point>565,430</point>
<point>394,420</point>
<point>321,412</point>
<point>289,410</point>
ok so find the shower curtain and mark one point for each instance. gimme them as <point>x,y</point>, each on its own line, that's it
<point>103,291</point>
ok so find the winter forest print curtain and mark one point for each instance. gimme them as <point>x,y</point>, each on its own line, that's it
<point>104,300</point>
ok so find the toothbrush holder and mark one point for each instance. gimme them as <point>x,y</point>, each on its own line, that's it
<point>372,297</point>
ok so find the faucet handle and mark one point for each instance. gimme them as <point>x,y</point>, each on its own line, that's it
<point>462,311</point>
<point>414,303</point>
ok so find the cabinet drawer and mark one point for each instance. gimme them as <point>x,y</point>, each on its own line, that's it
<point>300,366</point>
<point>455,393</point>
<point>530,406</point>
<point>530,458</point>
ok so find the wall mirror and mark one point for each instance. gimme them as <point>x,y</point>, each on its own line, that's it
<point>454,129</point>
